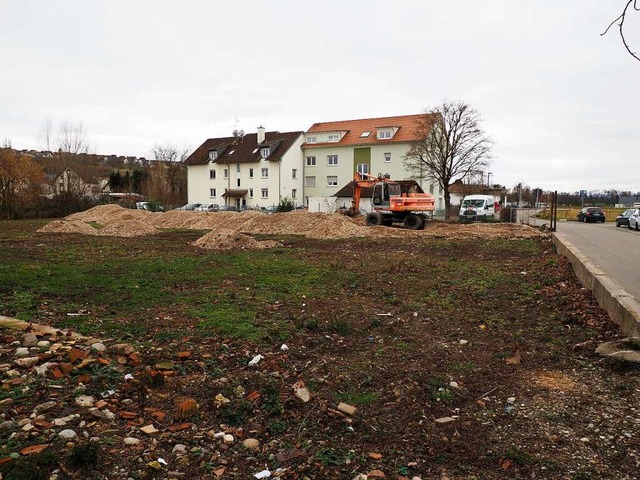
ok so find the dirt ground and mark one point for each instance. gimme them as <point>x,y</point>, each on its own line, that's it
<point>451,376</point>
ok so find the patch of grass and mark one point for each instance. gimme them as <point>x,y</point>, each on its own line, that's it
<point>340,326</point>
<point>277,427</point>
<point>358,398</point>
<point>332,456</point>
<point>84,456</point>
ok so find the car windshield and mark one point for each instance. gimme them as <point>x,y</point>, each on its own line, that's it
<point>472,203</point>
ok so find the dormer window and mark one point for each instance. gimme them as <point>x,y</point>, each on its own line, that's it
<point>265,152</point>
<point>311,139</point>
<point>333,137</point>
<point>365,134</point>
<point>384,134</point>
<point>213,154</point>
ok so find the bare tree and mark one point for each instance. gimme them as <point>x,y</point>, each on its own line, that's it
<point>72,138</point>
<point>453,147</point>
<point>632,5</point>
<point>21,182</point>
<point>46,132</point>
<point>168,152</point>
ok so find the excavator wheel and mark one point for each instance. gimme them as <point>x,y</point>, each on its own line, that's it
<point>373,219</point>
<point>413,222</point>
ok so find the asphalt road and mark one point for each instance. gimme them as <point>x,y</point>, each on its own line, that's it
<point>615,250</point>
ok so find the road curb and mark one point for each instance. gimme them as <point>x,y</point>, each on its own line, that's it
<point>622,308</point>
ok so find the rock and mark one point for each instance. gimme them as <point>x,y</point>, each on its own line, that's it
<point>12,373</point>
<point>23,422</point>
<point>85,401</point>
<point>29,340</point>
<point>149,430</point>
<point>511,400</point>
<point>7,426</point>
<point>346,408</point>
<point>301,391</point>
<point>6,402</point>
<point>463,342</point>
<point>626,350</point>
<point>99,347</point>
<point>42,369</point>
<point>360,476</point>
<point>220,400</point>
<point>251,443</point>
<point>375,474</point>
<point>228,439</point>
<point>68,434</point>
<point>123,349</point>
<point>22,352</point>
<point>43,344</point>
<point>131,441</point>
<point>445,420</point>
<point>27,362</point>
<point>44,407</point>
<point>454,385</point>
<point>179,449</point>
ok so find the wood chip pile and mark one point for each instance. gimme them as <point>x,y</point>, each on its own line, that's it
<point>226,227</point>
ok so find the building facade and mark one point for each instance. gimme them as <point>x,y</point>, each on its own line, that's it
<point>247,171</point>
<point>335,151</point>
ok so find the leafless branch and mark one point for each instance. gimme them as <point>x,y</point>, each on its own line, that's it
<point>622,17</point>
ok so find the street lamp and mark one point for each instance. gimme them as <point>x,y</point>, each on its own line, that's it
<point>488,178</point>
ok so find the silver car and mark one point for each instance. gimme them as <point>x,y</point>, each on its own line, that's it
<point>634,219</point>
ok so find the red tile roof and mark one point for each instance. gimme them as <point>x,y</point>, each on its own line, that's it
<point>243,150</point>
<point>409,129</point>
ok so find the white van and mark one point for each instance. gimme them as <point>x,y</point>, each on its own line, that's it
<point>477,207</point>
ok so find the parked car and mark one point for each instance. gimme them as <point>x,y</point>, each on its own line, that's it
<point>228,208</point>
<point>623,218</point>
<point>189,206</point>
<point>634,219</point>
<point>208,207</point>
<point>270,209</point>
<point>591,214</point>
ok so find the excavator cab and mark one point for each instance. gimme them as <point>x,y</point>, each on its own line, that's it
<point>382,193</point>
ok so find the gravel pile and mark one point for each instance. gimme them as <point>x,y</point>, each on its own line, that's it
<point>113,220</point>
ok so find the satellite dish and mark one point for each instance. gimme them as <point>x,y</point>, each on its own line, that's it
<point>241,133</point>
<point>235,132</point>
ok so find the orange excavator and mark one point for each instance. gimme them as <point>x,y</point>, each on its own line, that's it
<point>390,204</point>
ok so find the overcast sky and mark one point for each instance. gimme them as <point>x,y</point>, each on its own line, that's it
<point>561,102</point>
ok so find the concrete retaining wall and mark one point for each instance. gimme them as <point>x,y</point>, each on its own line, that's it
<point>623,308</point>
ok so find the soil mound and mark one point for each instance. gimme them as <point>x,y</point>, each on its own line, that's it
<point>230,239</point>
<point>72,226</point>
<point>126,228</point>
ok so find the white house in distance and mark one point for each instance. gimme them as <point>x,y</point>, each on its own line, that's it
<point>254,170</point>
<point>334,151</point>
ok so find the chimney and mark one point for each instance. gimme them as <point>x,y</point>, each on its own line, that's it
<point>260,134</point>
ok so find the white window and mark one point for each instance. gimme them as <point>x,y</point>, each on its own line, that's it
<point>251,173</point>
<point>265,193</point>
<point>332,181</point>
<point>365,134</point>
<point>309,181</point>
<point>294,173</point>
<point>362,168</point>
<point>293,192</point>
<point>311,139</point>
<point>384,134</point>
<point>265,152</point>
<point>226,173</point>
<point>238,168</point>
<point>213,154</point>
<point>251,193</point>
<point>212,174</point>
<point>231,152</point>
<point>212,192</point>
<point>332,160</point>
<point>387,158</point>
<point>311,161</point>
<point>334,137</point>
<point>265,173</point>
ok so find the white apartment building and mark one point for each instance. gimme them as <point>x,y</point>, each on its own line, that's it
<point>254,170</point>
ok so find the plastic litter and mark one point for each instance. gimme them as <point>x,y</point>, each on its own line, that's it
<point>284,347</point>
<point>263,474</point>
<point>252,362</point>
<point>162,461</point>
<point>128,376</point>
